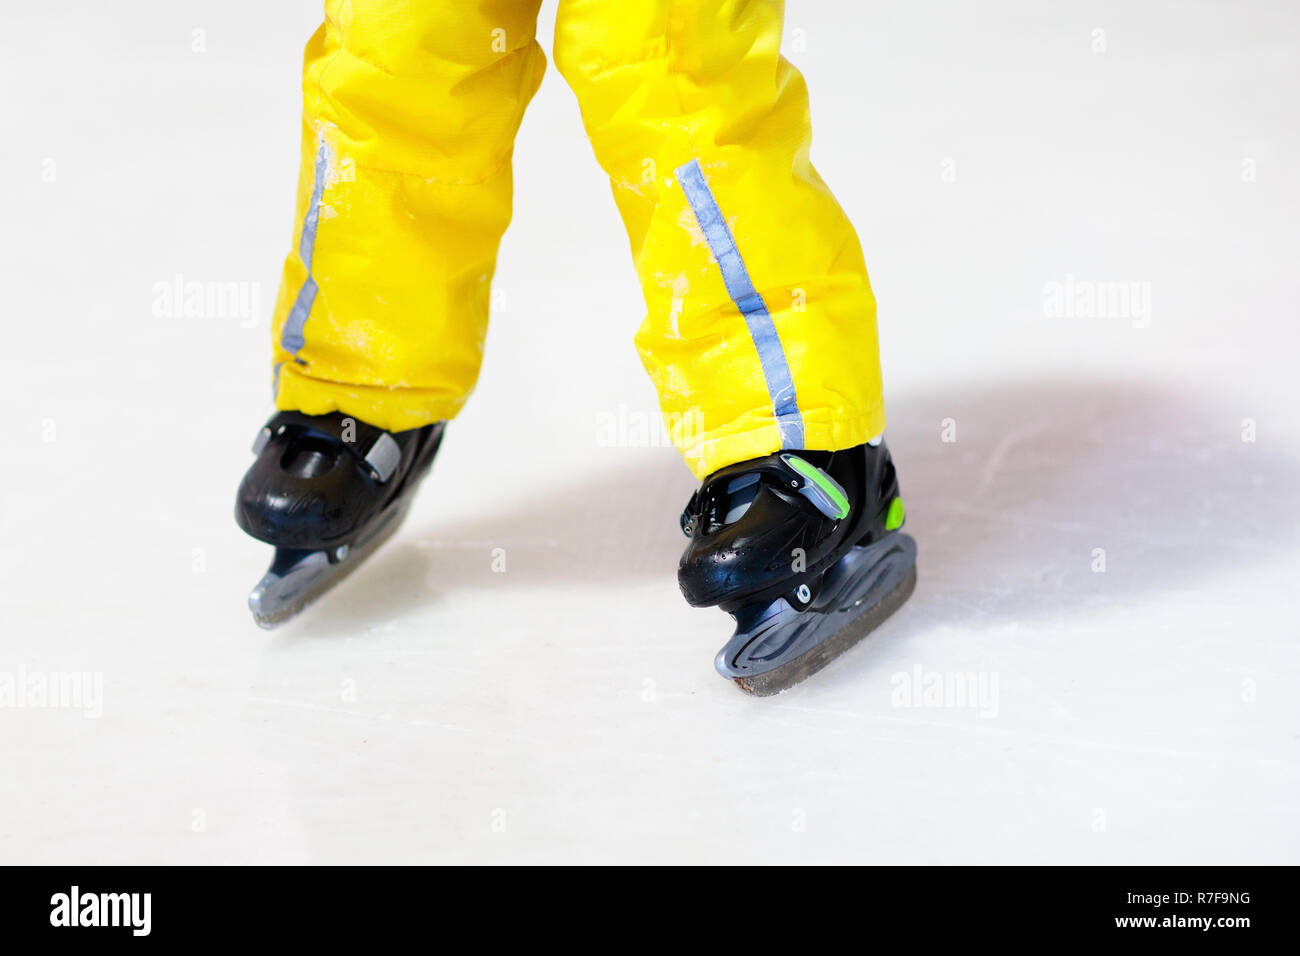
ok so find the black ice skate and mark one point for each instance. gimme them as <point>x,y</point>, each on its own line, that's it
<point>803,549</point>
<point>326,490</point>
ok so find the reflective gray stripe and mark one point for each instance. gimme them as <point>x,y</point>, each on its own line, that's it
<point>291,336</point>
<point>771,354</point>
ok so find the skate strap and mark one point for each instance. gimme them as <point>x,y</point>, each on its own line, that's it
<point>373,447</point>
<point>790,471</point>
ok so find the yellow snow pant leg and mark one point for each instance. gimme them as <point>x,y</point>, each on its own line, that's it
<point>760,329</point>
<point>410,110</point>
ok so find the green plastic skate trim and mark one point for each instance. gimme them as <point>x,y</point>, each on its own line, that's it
<point>894,520</point>
<point>825,482</point>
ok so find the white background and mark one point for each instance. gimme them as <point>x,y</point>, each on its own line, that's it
<point>567,710</point>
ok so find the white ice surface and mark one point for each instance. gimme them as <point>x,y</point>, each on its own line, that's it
<point>567,709</point>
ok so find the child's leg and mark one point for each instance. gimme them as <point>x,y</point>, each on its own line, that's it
<point>410,113</point>
<point>760,332</point>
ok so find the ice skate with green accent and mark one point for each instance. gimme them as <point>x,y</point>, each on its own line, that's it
<point>803,549</point>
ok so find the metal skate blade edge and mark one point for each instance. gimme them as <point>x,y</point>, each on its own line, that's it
<point>799,669</point>
<point>780,634</point>
<point>277,599</point>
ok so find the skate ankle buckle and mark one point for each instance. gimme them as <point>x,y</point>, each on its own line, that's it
<point>793,474</point>
<point>826,494</point>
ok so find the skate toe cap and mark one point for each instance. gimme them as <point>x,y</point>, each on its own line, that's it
<point>303,513</point>
<point>708,577</point>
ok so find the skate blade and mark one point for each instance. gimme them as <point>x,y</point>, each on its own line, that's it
<point>786,646</point>
<point>297,578</point>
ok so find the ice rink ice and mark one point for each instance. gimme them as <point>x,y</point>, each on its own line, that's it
<point>1080,221</point>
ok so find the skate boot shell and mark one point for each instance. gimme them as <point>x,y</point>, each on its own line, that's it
<point>803,549</point>
<point>326,491</point>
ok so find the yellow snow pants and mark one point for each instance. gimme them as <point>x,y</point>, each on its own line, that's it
<point>759,331</point>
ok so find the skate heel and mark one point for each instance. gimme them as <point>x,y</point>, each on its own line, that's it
<point>887,521</point>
